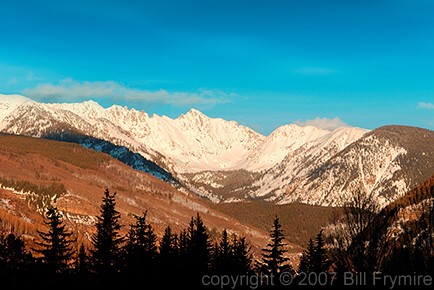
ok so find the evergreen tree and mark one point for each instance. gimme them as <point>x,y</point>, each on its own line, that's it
<point>141,247</point>
<point>15,261</point>
<point>169,259</point>
<point>273,256</point>
<point>169,249</point>
<point>200,246</point>
<point>184,255</point>
<point>223,255</point>
<point>320,261</point>
<point>13,253</point>
<point>307,258</point>
<point>107,239</point>
<point>56,245</point>
<point>241,256</point>
<point>82,270</point>
<point>198,250</point>
<point>184,246</point>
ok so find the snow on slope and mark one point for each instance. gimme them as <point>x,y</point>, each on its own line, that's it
<point>297,164</point>
<point>8,103</point>
<point>278,144</point>
<point>385,163</point>
<point>222,143</point>
<point>366,166</point>
<point>192,142</point>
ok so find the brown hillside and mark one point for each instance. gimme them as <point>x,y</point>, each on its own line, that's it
<point>28,163</point>
<point>299,221</point>
<point>415,196</point>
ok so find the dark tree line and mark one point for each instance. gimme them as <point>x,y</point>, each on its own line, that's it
<point>178,259</point>
<point>315,258</point>
<point>359,242</point>
<point>392,241</point>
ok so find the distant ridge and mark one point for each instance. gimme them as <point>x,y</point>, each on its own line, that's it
<point>228,162</point>
<point>121,153</point>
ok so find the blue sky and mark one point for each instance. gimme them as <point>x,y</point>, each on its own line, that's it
<point>261,63</point>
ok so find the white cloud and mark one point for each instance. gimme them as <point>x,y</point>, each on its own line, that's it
<point>314,71</point>
<point>323,123</point>
<point>423,105</point>
<point>69,90</point>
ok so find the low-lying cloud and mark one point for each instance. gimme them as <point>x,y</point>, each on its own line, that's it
<point>69,90</point>
<point>323,123</point>
<point>424,105</point>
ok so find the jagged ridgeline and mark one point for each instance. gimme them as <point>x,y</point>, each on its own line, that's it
<point>228,162</point>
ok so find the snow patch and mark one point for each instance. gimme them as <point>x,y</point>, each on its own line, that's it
<point>5,204</point>
<point>189,204</point>
<point>86,220</point>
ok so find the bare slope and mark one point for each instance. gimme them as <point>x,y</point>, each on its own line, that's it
<point>30,167</point>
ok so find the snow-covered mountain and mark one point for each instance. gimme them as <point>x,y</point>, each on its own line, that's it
<point>297,164</point>
<point>191,142</point>
<point>226,161</point>
<point>295,159</point>
<point>385,163</point>
<point>279,144</point>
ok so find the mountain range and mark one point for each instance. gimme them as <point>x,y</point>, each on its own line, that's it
<point>227,162</point>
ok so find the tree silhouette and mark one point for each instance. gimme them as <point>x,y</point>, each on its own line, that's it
<point>223,255</point>
<point>141,248</point>
<point>350,250</point>
<point>199,249</point>
<point>241,256</point>
<point>307,258</point>
<point>315,258</point>
<point>169,259</point>
<point>184,256</point>
<point>107,239</point>
<point>82,266</point>
<point>320,261</point>
<point>56,245</point>
<point>184,246</point>
<point>15,261</point>
<point>273,256</point>
<point>169,249</point>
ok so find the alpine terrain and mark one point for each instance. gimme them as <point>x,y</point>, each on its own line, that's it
<point>227,162</point>
<point>37,173</point>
